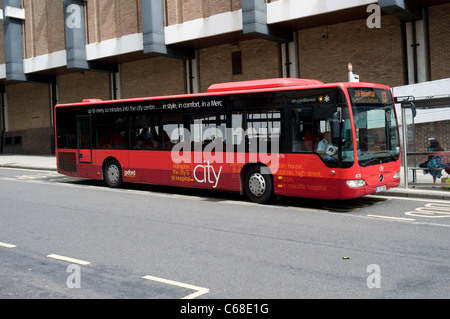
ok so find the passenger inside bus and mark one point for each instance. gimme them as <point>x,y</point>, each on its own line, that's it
<point>105,138</point>
<point>118,140</point>
<point>145,133</point>
<point>145,138</point>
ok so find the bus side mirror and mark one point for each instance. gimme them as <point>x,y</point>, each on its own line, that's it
<point>335,126</point>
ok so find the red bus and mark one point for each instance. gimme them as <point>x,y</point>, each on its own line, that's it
<point>290,137</point>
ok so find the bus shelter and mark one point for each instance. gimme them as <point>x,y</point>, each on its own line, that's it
<point>425,126</point>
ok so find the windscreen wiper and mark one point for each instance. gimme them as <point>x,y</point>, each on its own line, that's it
<point>370,160</point>
<point>379,159</point>
<point>388,155</point>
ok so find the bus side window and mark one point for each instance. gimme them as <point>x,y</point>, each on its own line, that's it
<point>118,139</point>
<point>104,139</point>
<point>67,134</point>
<point>111,132</point>
<point>172,130</point>
<point>236,132</point>
<point>263,129</point>
<point>145,130</point>
<point>322,115</point>
<point>301,130</point>
<point>206,128</point>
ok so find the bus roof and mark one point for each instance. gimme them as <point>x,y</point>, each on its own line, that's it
<point>261,84</point>
<point>239,86</point>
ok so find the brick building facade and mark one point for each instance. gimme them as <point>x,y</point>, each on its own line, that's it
<point>111,49</point>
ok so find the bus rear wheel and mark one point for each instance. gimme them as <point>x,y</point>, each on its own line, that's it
<point>112,174</point>
<point>258,185</point>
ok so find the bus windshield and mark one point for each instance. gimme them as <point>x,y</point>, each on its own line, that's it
<point>377,139</point>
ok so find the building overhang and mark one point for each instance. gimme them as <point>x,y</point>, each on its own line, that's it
<point>153,32</point>
<point>254,23</point>
<point>405,10</point>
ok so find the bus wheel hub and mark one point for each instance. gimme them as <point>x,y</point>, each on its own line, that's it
<point>257,184</point>
<point>113,173</point>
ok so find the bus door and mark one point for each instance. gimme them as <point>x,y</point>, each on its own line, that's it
<point>84,139</point>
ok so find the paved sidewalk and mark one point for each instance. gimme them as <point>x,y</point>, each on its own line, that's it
<point>49,163</point>
<point>29,162</point>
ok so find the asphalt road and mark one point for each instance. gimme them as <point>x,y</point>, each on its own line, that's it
<point>68,238</point>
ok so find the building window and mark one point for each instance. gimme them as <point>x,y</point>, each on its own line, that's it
<point>236,60</point>
<point>13,141</point>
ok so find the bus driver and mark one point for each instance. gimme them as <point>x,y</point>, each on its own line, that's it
<point>325,147</point>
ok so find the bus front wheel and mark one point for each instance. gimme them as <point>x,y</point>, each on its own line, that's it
<point>259,184</point>
<point>113,174</point>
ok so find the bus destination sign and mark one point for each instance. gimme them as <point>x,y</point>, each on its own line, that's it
<point>369,95</point>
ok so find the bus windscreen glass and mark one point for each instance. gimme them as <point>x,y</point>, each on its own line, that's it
<point>375,125</point>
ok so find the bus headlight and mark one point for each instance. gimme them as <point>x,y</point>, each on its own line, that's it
<point>397,174</point>
<point>355,183</point>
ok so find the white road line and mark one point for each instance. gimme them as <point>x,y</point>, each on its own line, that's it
<point>409,198</point>
<point>7,245</point>
<point>395,218</point>
<point>199,290</point>
<point>68,259</point>
<point>431,210</point>
<point>186,196</point>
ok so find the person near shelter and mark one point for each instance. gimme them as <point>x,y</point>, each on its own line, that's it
<point>435,161</point>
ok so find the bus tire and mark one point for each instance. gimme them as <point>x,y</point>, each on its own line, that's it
<point>112,174</point>
<point>259,184</point>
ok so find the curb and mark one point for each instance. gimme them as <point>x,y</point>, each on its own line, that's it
<point>30,167</point>
<point>415,193</point>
